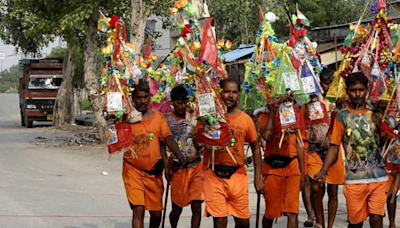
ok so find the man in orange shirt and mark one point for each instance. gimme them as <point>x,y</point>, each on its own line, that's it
<point>282,182</point>
<point>316,157</point>
<point>187,182</point>
<point>391,189</point>
<point>226,187</point>
<point>392,207</point>
<point>142,176</point>
<point>356,130</point>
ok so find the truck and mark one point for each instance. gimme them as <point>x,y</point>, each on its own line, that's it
<point>39,80</point>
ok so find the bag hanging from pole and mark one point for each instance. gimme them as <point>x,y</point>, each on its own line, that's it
<point>287,79</point>
<point>310,83</point>
<point>120,138</point>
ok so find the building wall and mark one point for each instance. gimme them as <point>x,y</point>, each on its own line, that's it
<point>162,47</point>
<point>394,9</point>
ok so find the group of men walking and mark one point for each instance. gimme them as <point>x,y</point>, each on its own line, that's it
<point>287,167</point>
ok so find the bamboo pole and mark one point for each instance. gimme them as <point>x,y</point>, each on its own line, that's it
<point>336,61</point>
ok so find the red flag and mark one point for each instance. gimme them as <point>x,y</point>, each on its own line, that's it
<point>148,48</point>
<point>294,38</point>
<point>261,13</point>
<point>208,50</point>
<point>394,104</point>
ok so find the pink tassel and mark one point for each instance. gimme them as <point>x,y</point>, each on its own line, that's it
<point>382,4</point>
<point>153,87</point>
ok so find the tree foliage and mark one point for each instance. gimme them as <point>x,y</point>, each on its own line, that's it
<point>29,25</point>
<point>9,80</point>
<point>239,20</point>
<point>57,53</point>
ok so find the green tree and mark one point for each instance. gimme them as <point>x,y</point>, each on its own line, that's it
<point>239,20</point>
<point>30,25</point>
<point>330,12</point>
<point>9,80</point>
<point>57,53</point>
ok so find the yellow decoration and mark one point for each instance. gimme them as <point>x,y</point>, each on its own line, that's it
<point>387,94</point>
<point>393,26</point>
<point>382,15</point>
<point>107,50</point>
<point>173,10</point>
<point>108,22</point>
<point>228,44</point>
<point>150,70</point>
<point>337,89</point>
<point>197,45</point>
<point>373,44</point>
<point>386,56</point>
<point>132,46</point>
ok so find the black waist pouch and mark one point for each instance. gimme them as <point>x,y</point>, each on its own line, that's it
<point>322,154</point>
<point>278,161</point>
<point>157,169</point>
<point>225,171</point>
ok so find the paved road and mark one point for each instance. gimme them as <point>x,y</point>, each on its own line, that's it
<point>64,187</point>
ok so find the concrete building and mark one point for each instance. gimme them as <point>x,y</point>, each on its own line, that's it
<point>162,45</point>
<point>325,36</point>
<point>166,42</point>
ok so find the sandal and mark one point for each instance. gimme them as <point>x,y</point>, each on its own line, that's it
<point>309,223</point>
<point>316,225</point>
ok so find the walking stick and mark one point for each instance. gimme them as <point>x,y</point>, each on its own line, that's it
<point>321,201</point>
<point>258,210</point>
<point>170,161</point>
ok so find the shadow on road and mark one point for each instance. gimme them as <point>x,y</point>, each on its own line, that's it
<point>17,125</point>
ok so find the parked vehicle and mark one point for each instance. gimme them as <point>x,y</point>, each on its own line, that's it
<point>39,80</point>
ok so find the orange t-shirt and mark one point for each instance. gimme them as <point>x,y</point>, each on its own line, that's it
<point>148,150</point>
<point>288,149</point>
<point>244,130</point>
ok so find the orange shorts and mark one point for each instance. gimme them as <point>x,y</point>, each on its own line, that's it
<point>335,174</point>
<point>142,188</point>
<point>389,183</point>
<point>364,199</point>
<point>226,196</point>
<point>188,185</point>
<point>281,195</point>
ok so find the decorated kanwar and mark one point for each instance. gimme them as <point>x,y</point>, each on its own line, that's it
<point>312,129</point>
<point>134,129</point>
<point>364,132</point>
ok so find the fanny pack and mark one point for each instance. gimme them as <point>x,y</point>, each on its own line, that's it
<point>322,154</point>
<point>225,171</point>
<point>157,169</point>
<point>176,165</point>
<point>315,147</point>
<point>278,161</point>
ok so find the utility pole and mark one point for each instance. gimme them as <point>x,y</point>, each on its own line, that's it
<point>2,55</point>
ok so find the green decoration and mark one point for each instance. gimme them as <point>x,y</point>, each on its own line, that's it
<point>191,11</point>
<point>233,141</point>
<point>120,113</point>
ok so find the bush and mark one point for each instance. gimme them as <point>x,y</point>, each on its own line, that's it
<point>85,105</point>
<point>12,90</point>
